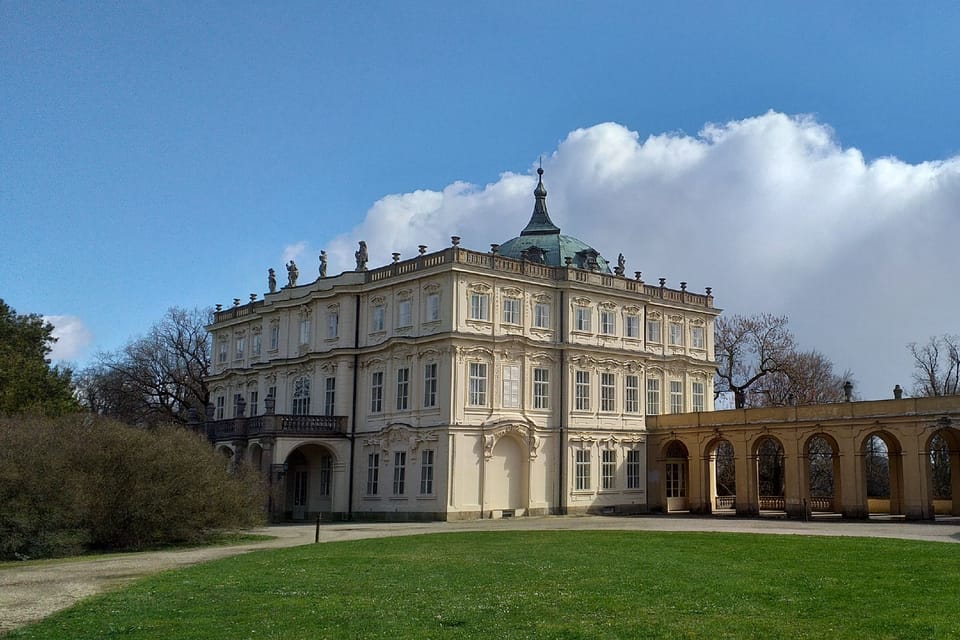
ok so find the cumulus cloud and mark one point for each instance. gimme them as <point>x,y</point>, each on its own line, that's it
<point>294,251</point>
<point>73,337</point>
<point>771,211</point>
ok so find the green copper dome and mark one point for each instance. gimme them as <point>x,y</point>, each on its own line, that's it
<point>541,240</point>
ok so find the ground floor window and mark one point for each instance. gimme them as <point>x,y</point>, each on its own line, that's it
<point>608,470</point>
<point>582,468</point>
<point>300,489</point>
<point>426,472</point>
<point>326,467</point>
<point>399,472</point>
<point>676,486</point>
<point>373,474</point>
<point>633,469</point>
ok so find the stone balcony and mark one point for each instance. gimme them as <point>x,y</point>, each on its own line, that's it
<point>274,425</point>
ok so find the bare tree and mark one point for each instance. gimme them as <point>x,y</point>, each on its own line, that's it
<point>936,366</point>
<point>748,348</point>
<point>806,377</point>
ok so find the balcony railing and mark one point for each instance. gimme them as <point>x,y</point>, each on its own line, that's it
<point>276,425</point>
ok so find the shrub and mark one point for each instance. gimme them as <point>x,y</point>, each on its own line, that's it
<point>84,482</point>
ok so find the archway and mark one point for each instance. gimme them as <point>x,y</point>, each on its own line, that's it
<point>823,474</point>
<point>676,476</point>
<point>308,482</point>
<point>256,457</point>
<point>723,476</point>
<point>770,474</point>
<point>882,474</point>
<point>943,471</point>
<point>506,479</point>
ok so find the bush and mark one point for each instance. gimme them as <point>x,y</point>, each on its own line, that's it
<point>81,482</point>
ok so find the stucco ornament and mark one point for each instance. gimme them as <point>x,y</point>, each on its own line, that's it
<point>523,432</point>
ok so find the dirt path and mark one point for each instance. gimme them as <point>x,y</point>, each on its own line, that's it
<point>32,591</point>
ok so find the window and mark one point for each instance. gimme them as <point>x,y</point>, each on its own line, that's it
<point>653,396</point>
<point>272,394</point>
<point>329,396</point>
<point>326,464</point>
<point>433,307</point>
<point>301,396</point>
<point>333,324</point>
<point>220,402</point>
<point>373,474</point>
<point>404,313</point>
<point>608,470</point>
<point>241,345</point>
<point>698,396</point>
<point>299,488</point>
<point>608,392</point>
<point>632,394</point>
<point>274,336</point>
<point>403,388</point>
<point>541,388</point>
<point>582,469</point>
<point>254,403</point>
<point>582,391</point>
<point>511,386</point>
<point>676,396</point>
<point>426,472</point>
<point>581,321</point>
<point>511,310</point>
<point>237,399</point>
<point>697,338</point>
<point>633,469</point>
<point>478,384</point>
<point>479,306</point>
<point>399,471</point>
<point>676,333</point>
<point>257,343</point>
<point>608,323</point>
<point>222,352</point>
<point>653,331</point>
<point>305,331</point>
<point>632,326</point>
<point>430,384</point>
<point>376,392</point>
<point>675,480</point>
<point>379,313</point>
<point>541,315</point>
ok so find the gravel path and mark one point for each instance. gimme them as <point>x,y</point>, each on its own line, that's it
<point>32,591</point>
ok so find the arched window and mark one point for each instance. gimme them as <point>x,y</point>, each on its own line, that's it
<point>301,396</point>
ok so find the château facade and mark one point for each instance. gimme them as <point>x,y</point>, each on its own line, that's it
<point>460,384</point>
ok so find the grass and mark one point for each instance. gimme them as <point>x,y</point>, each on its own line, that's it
<point>549,584</point>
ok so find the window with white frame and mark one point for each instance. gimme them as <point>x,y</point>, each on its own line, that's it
<point>373,474</point>
<point>631,396</point>
<point>305,331</point>
<point>329,396</point>
<point>541,315</point>
<point>478,384</point>
<point>254,403</point>
<point>582,470</point>
<point>257,344</point>
<point>511,386</point>
<point>631,327</point>
<point>430,384</point>
<point>426,472</point>
<point>653,330</point>
<point>326,467</point>
<point>274,336</point>
<point>698,395</point>
<point>608,392</point>
<point>237,399</point>
<point>541,388</point>
<point>676,333</point>
<point>653,396</point>
<point>608,469</point>
<point>608,323</point>
<point>479,306</point>
<point>433,307</point>
<point>378,321</point>
<point>511,310</point>
<point>241,344</point>
<point>399,472</point>
<point>404,313</point>
<point>403,388</point>
<point>224,346</point>
<point>676,396</point>
<point>301,396</point>
<point>581,391</point>
<point>333,324</point>
<point>633,469</point>
<point>697,339</point>
<point>581,318</point>
<point>376,392</point>
<point>220,404</point>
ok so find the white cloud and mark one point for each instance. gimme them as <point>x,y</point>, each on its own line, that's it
<point>771,211</point>
<point>294,251</point>
<point>73,337</point>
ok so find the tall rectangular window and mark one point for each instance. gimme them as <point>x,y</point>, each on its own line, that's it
<point>511,310</point>
<point>301,396</point>
<point>676,333</point>
<point>478,384</point>
<point>698,396</point>
<point>220,404</point>
<point>581,391</point>
<point>274,336</point>
<point>399,472</point>
<point>433,307</point>
<point>632,326</point>
<point>237,397</point>
<point>333,324</point>
<point>581,318</point>
<point>305,331</point>
<point>430,384</point>
<point>373,474</point>
<point>608,469</point>
<point>631,399</point>
<point>511,386</point>
<point>240,348</point>
<point>633,469</point>
<point>479,306</point>
<point>404,313</point>
<point>379,315</point>
<point>254,403</point>
<point>329,396</point>
<point>541,388</point>
<point>608,322</point>
<point>224,346</point>
<point>541,315</point>
<point>608,392</point>
<point>582,470</point>
<point>697,340</point>
<point>257,343</point>
<point>676,396</point>
<point>653,331</point>
<point>653,396</point>
<point>376,392</point>
<point>326,469</point>
<point>426,472</point>
<point>403,388</point>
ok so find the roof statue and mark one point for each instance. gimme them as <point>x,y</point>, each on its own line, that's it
<point>271,280</point>
<point>361,256</point>
<point>323,264</point>
<point>292,274</point>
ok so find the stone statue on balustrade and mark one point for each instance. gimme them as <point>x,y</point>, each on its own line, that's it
<point>292,274</point>
<point>271,280</point>
<point>362,257</point>
<point>323,264</point>
<point>621,265</point>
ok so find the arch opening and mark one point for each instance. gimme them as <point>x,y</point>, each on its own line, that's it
<point>676,476</point>
<point>823,474</point>
<point>770,474</point>
<point>308,482</point>
<point>882,474</point>
<point>723,476</point>
<point>943,472</point>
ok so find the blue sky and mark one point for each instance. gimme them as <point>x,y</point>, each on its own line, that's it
<point>161,154</point>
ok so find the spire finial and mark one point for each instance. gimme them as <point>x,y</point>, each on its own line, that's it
<point>540,222</point>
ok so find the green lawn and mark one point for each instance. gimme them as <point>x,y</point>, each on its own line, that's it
<point>549,584</point>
